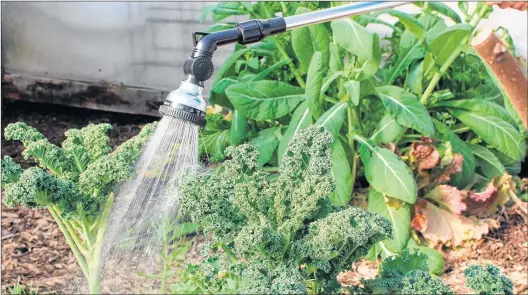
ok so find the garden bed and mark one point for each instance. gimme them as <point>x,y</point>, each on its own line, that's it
<point>35,251</point>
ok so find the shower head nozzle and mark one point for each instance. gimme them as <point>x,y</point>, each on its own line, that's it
<point>186,103</point>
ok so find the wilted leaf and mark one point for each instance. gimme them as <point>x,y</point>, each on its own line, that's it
<point>440,226</point>
<point>447,196</point>
<point>424,154</point>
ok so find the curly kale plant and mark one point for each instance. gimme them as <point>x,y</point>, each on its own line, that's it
<point>73,182</point>
<point>487,280</point>
<point>284,226</point>
<point>408,273</point>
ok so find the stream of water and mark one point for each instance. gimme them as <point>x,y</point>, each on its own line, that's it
<point>145,202</point>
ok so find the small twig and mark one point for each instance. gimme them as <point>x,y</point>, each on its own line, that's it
<point>9,236</point>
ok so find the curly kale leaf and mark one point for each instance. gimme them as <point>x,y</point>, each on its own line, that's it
<point>406,273</point>
<point>86,145</point>
<point>343,237</point>
<point>47,155</point>
<point>10,171</point>
<point>422,282</point>
<point>22,132</point>
<point>36,188</point>
<point>280,279</point>
<point>487,280</point>
<point>117,166</point>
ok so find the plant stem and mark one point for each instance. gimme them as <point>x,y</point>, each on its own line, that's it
<point>285,55</point>
<point>436,78</point>
<point>461,130</point>
<point>283,52</point>
<point>70,241</point>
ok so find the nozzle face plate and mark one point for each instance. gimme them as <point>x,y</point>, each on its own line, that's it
<point>184,112</point>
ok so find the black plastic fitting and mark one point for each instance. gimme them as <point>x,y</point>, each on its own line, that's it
<point>200,65</point>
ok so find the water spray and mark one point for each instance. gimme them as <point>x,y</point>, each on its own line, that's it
<point>149,200</point>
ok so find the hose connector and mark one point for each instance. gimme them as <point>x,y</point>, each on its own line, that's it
<point>200,65</point>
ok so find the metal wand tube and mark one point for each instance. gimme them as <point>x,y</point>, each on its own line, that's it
<point>337,12</point>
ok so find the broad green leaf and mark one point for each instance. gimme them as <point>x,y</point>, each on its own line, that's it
<point>336,60</point>
<point>432,25</point>
<point>238,128</point>
<point>478,105</point>
<point>302,118</point>
<point>463,178</point>
<point>341,174</point>
<point>307,40</point>
<point>444,43</point>
<point>328,81</point>
<point>266,142</point>
<point>489,164</point>
<point>515,116</point>
<point>247,5</point>
<point>408,21</point>
<point>405,58</point>
<point>333,118</point>
<point>353,91</point>
<point>264,100</point>
<point>435,260</point>
<point>407,109</point>
<point>373,253</point>
<point>370,66</point>
<point>386,172</point>
<point>314,81</point>
<point>398,213</point>
<point>415,78</point>
<point>387,131</point>
<point>495,131</point>
<point>251,63</point>
<point>220,87</point>
<point>264,73</point>
<point>441,8</point>
<point>353,37</point>
<point>512,166</point>
<point>222,71</point>
<point>367,87</point>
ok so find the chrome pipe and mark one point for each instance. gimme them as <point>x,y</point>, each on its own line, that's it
<point>325,15</point>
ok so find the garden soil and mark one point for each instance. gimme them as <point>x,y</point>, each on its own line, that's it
<point>34,252</point>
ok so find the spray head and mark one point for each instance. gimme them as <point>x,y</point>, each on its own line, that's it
<point>186,103</point>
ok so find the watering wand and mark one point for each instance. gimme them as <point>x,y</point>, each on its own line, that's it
<point>187,103</point>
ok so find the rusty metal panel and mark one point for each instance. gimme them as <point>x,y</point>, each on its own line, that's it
<point>99,96</point>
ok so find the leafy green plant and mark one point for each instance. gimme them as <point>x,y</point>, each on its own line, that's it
<point>430,84</point>
<point>73,182</point>
<point>408,273</point>
<point>281,230</point>
<point>19,289</point>
<point>487,280</point>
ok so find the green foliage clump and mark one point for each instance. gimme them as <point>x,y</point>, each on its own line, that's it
<point>73,182</point>
<point>487,280</point>
<point>284,225</point>
<point>10,171</point>
<point>406,273</point>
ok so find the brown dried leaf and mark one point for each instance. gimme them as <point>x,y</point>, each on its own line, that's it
<point>424,154</point>
<point>448,229</point>
<point>447,196</point>
<point>453,167</point>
